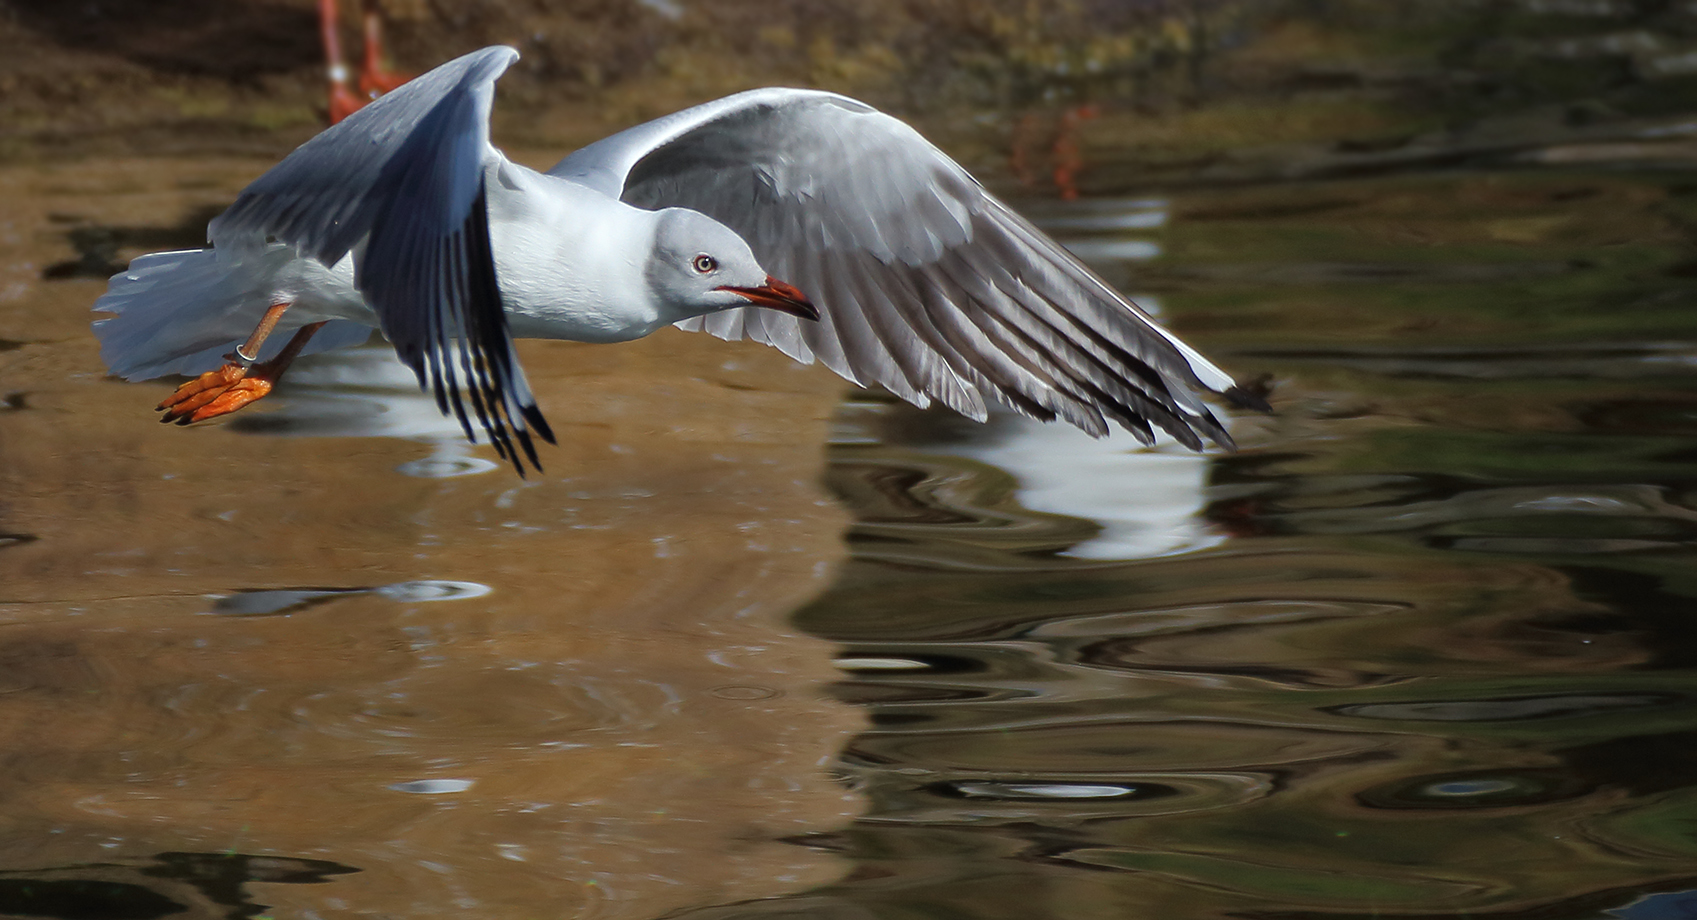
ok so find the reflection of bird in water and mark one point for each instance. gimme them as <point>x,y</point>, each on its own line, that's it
<point>374,80</point>
<point>405,218</point>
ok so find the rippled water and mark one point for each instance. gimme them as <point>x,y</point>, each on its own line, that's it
<point>1423,647</point>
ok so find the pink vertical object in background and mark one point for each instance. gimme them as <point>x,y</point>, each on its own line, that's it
<point>1066,155</point>
<point>374,80</point>
<point>1065,158</point>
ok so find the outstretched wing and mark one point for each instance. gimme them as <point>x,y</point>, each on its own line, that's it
<point>927,284</point>
<point>403,183</point>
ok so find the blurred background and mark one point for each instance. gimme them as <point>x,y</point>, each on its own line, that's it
<point>757,645</point>
<point>1167,86</point>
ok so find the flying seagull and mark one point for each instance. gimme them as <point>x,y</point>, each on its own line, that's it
<point>405,218</point>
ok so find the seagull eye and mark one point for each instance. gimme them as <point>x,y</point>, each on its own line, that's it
<point>704,264</point>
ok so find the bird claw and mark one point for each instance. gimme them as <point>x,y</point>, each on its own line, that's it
<point>214,393</point>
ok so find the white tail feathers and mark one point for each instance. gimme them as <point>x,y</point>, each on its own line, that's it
<point>180,312</point>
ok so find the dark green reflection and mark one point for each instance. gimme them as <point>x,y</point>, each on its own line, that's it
<point>199,885</point>
<point>83,900</point>
<point>1441,663</point>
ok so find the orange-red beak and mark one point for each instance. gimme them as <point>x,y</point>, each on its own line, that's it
<point>777,295</point>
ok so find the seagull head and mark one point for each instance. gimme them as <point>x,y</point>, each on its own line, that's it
<point>700,266</point>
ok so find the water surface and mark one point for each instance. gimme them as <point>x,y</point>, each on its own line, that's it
<point>1422,647</point>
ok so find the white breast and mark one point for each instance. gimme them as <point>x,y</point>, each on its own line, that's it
<point>569,265</point>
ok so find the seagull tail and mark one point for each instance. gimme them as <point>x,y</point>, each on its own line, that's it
<point>180,312</point>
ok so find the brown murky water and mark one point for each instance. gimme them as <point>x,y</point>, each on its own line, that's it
<point>352,658</point>
<point>1424,647</point>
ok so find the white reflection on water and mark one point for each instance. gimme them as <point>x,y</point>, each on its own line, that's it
<point>1104,250</point>
<point>1043,790</point>
<point>355,392</point>
<point>288,600</point>
<point>1104,215</point>
<point>1094,230</point>
<point>433,786</point>
<point>1148,501</point>
<point>368,392</point>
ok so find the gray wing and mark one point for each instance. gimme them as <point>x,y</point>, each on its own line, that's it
<point>402,182</point>
<point>927,284</point>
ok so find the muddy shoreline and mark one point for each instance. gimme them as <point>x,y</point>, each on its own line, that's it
<point>1177,93</point>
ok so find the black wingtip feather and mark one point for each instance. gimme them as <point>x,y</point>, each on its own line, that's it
<point>460,320</point>
<point>1252,395</point>
<point>533,418</point>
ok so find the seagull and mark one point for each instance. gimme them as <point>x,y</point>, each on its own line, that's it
<point>405,218</point>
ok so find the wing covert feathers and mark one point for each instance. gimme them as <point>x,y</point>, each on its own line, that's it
<point>927,284</point>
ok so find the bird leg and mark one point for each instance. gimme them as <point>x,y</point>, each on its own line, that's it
<point>374,80</point>
<point>1065,152</point>
<point>343,102</point>
<point>242,380</point>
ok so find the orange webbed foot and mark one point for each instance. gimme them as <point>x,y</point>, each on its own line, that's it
<point>237,383</point>
<point>214,393</point>
<point>200,391</point>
